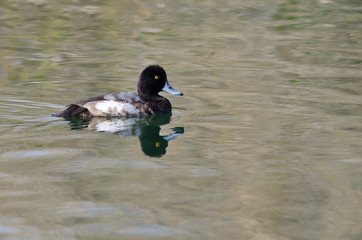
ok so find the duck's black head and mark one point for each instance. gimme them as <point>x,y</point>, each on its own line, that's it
<point>153,80</point>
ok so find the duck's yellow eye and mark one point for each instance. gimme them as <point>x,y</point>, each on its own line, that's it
<point>156,77</point>
<point>158,144</point>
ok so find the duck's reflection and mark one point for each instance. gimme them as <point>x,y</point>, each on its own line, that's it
<point>147,129</point>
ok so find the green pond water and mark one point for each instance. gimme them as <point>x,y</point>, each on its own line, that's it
<point>266,142</point>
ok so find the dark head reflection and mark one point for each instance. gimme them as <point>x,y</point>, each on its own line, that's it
<point>147,129</point>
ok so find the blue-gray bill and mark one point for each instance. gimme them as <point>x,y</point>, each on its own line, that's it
<point>168,88</point>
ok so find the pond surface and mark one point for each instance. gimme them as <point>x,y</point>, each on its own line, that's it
<point>266,142</point>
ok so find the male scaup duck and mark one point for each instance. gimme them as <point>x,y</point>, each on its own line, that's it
<point>152,80</point>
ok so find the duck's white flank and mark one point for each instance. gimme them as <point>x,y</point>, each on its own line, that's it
<point>111,108</point>
<point>116,108</point>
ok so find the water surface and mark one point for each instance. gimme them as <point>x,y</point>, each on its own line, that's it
<point>264,144</point>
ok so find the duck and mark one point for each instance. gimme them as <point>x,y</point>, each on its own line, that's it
<point>147,102</point>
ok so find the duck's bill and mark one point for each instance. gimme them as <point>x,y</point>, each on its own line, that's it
<point>168,88</point>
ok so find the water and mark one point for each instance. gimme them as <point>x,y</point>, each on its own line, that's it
<point>264,144</point>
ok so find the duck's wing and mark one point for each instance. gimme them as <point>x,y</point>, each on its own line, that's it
<point>122,97</point>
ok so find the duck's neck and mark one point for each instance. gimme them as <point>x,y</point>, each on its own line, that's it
<point>149,96</point>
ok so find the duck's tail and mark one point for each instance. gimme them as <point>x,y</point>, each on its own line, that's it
<point>73,110</point>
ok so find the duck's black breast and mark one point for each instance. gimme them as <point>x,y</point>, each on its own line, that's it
<point>160,105</point>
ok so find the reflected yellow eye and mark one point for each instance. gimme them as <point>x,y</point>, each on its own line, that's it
<point>156,77</point>
<point>158,144</point>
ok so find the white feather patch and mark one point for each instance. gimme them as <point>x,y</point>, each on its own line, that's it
<point>116,108</point>
<point>110,106</point>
